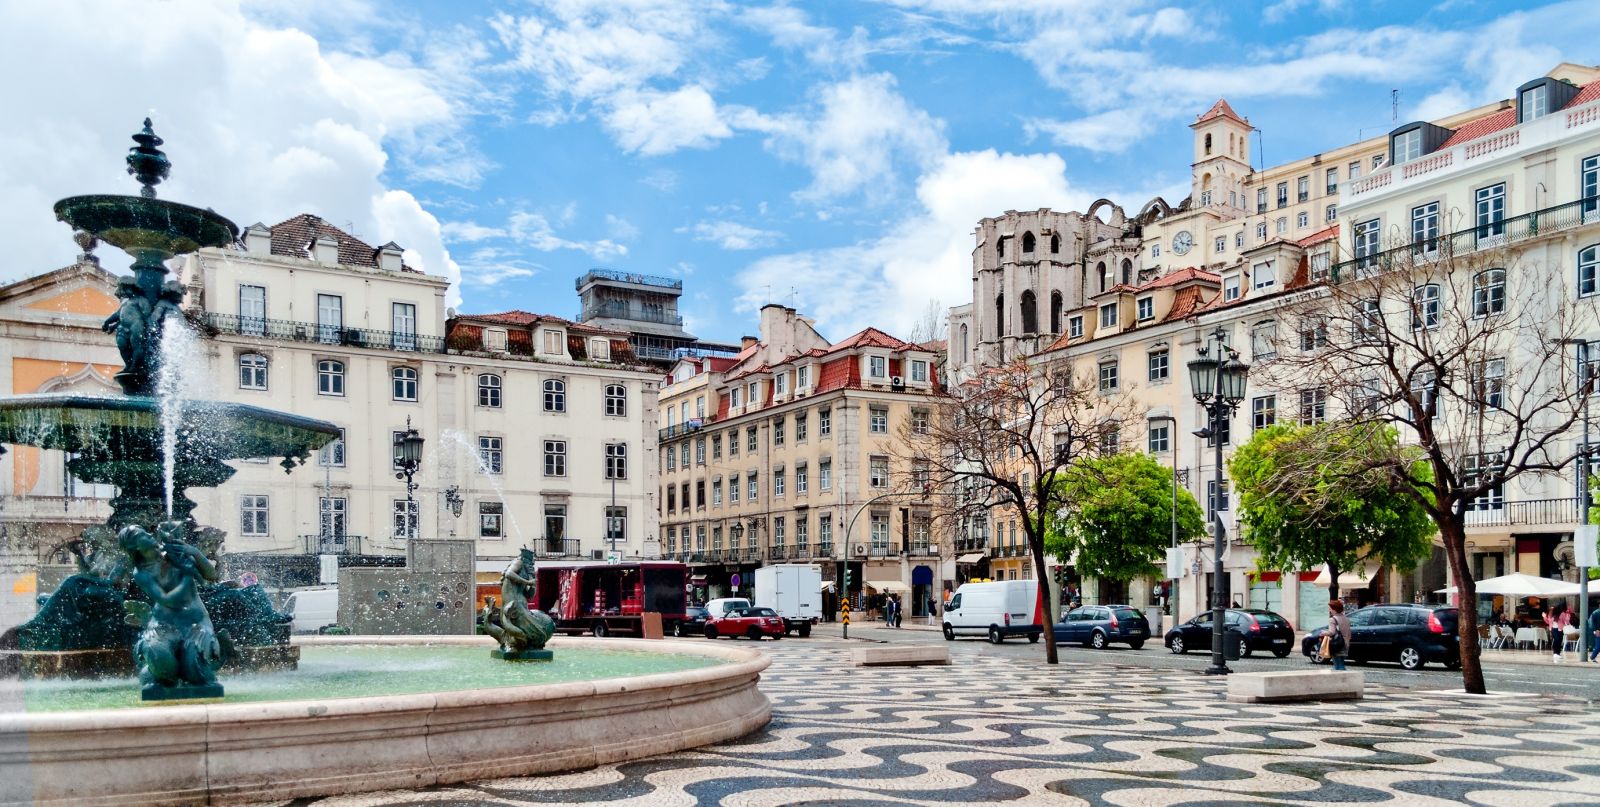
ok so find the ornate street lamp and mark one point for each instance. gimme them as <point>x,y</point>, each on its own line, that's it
<point>1218,380</point>
<point>408,458</point>
<point>453,500</point>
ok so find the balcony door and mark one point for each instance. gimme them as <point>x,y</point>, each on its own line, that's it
<point>405,326</point>
<point>330,318</point>
<point>253,310</point>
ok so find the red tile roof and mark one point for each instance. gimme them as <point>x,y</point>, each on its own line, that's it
<point>1590,92</point>
<point>1326,234</point>
<point>1486,125</point>
<point>292,238</point>
<point>839,373</point>
<point>1185,302</point>
<point>872,337</point>
<point>528,319</point>
<point>1220,110</point>
<point>1174,278</point>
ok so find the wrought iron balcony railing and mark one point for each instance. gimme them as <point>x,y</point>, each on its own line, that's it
<point>290,331</point>
<point>628,277</point>
<point>693,425</point>
<point>1465,242</point>
<point>332,544</point>
<point>1530,512</point>
<point>557,548</point>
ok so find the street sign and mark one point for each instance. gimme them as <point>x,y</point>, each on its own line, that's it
<point>734,581</point>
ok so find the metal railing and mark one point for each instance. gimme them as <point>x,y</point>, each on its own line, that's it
<point>1474,239</point>
<point>628,277</point>
<point>694,425</point>
<point>332,544</point>
<point>921,548</point>
<point>291,331</point>
<point>972,544</point>
<point>780,552</point>
<point>619,310</point>
<point>1530,512</point>
<point>557,548</point>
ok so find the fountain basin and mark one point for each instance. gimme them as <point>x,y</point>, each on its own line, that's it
<point>117,426</point>
<point>229,753</point>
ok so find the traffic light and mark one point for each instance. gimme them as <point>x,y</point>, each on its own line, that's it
<point>847,578</point>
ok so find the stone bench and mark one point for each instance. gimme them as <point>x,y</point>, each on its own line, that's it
<point>1289,687</point>
<point>900,655</point>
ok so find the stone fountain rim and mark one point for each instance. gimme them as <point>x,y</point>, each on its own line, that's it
<point>148,404</point>
<point>100,198</point>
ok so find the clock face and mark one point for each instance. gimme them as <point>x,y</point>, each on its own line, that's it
<point>1182,243</point>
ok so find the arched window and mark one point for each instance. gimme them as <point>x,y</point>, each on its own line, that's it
<point>1208,144</point>
<point>330,377</point>
<point>1100,268</point>
<point>1055,243</point>
<point>252,371</point>
<point>1589,270</point>
<point>1127,272</point>
<point>966,345</point>
<point>1000,247</point>
<point>1027,242</point>
<point>616,401</point>
<point>1425,307</point>
<point>1030,313</point>
<point>489,390</point>
<point>555,395</point>
<point>405,383</point>
<point>1489,293</point>
<point>1055,312</point>
<point>999,315</point>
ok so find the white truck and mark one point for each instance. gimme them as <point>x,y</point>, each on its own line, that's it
<point>795,592</point>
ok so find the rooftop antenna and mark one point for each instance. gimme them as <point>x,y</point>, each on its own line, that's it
<point>1394,106</point>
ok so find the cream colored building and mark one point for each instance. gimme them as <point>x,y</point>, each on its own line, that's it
<point>786,453</point>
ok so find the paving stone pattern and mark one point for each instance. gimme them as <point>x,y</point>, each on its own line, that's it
<point>1001,729</point>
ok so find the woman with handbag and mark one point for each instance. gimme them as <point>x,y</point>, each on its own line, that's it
<point>1336,642</point>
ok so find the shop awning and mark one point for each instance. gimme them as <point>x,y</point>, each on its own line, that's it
<point>1355,578</point>
<point>697,580</point>
<point>972,558</point>
<point>890,586</point>
<point>827,585</point>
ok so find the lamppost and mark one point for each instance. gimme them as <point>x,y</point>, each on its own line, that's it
<point>407,459</point>
<point>1217,378</point>
<point>453,500</point>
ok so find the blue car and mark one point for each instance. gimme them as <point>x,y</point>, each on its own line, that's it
<point>1099,625</point>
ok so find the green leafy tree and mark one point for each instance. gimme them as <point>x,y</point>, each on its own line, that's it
<point>1310,497</point>
<point>1118,520</point>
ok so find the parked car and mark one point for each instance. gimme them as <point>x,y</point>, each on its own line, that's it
<point>999,609</point>
<point>1099,625</point>
<point>694,621</point>
<point>752,622</point>
<point>1413,635</point>
<point>1259,629</point>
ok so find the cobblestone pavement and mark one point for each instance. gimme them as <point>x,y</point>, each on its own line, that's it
<point>1003,729</point>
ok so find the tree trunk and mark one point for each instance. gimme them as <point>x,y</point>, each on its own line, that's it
<point>1453,530</point>
<point>1333,577</point>
<point>1046,609</point>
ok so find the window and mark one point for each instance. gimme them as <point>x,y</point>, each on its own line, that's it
<point>1261,231</point>
<point>716,492</point>
<point>919,370</point>
<point>780,384</point>
<point>330,318</point>
<point>1406,146</point>
<point>406,523</point>
<point>825,422</point>
<point>1108,375</point>
<point>1219,244</point>
<point>1377,160</point>
<point>405,383</point>
<point>1146,308</point>
<point>1320,263</point>
<point>801,423</point>
<point>1155,252</point>
<point>700,451</point>
<point>1281,226</point>
<point>1366,240</point>
<point>1283,194</point>
<point>1213,503</point>
<point>1160,365</point>
<point>1589,186</point>
<point>750,439</point>
<point>777,431</point>
<point>1425,227</point>
<point>880,533</point>
<point>491,519</point>
<point>1425,385</point>
<point>1263,412</point>
<point>600,349</point>
<point>750,395</point>
<point>825,533</point>
<point>1332,181</point>
<point>1489,293</point>
<point>1425,307</point>
<point>877,366</point>
<point>753,486</point>
<point>1075,327</point>
<point>1264,340</point>
<point>733,442</point>
<point>252,371</point>
<point>1489,382</point>
<point>555,342</point>
<point>672,458</point>
<point>1230,288</point>
<point>330,377</point>
<point>616,461</point>
<point>801,478</point>
<point>878,420</point>
<point>1477,469</point>
<point>555,395</point>
<point>1226,431</point>
<point>404,317</point>
<point>878,472</point>
<point>1302,219</point>
<point>253,310</point>
<point>921,421</point>
<point>1261,200</point>
<point>1535,102</point>
<point>1490,210</point>
<point>1160,437</point>
<point>1355,169</point>
<point>1331,214</point>
<point>1313,405</point>
<point>1302,189</point>
<point>802,378</point>
<point>733,398</point>
<point>780,533</point>
<point>331,511</point>
<point>1110,443</point>
<point>616,401</point>
<point>825,475</point>
<point>1263,275</point>
<point>1368,319</point>
<point>1108,315</point>
<point>1588,269</point>
<point>555,457</point>
<point>494,339</point>
<point>254,516</point>
<point>555,527</point>
<point>699,494</point>
<point>1238,240</point>
<point>331,455</point>
<point>779,477</point>
<point>489,390</point>
<point>802,532</point>
<point>733,488</point>
<point>1313,336</point>
<point>491,454</point>
<point>1205,196</point>
<point>716,446</point>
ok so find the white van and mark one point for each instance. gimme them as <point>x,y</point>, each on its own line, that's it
<point>1000,609</point>
<point>723,605</point>
<point>313,609</point>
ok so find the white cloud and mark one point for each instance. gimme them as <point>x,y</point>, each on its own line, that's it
<point>790,28</point>
<point>469,231</point>
<point>732,235</point>
<point>654,123</point>
<point>261,123</point>
<point>620,228</point>
<point>534,230</point>
<point>486,267</point>
<point>1286,9</point>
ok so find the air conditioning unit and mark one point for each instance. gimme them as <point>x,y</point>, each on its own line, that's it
<point>897,381</point>
<point>861,550</point>
<point>597,554</point>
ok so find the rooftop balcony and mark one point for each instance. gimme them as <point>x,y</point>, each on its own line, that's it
<point>628,277</point>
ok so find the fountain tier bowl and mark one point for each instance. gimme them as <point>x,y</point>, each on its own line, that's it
<point>135,224</point>
<point>227,752</point>
<point>126,427</point>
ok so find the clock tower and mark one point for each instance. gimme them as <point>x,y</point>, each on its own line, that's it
<point>1221,159</point>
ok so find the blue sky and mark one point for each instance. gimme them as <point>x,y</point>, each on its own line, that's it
<point>833,155</point>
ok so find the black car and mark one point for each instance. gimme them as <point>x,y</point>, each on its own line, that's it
<point>1413,635</point>
<point>695,622</point>
<point>1099,625</point>
<point>1257,629</point>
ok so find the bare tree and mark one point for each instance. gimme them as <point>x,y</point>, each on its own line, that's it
<point>1003,439</point>
<point>1466,351</point>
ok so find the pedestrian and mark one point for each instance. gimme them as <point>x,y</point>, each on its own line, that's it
<point>889,607</point>
<point>1594,634</point>
<point>899,611</point>
<point>1336,642</point>
<point>1557,620</point>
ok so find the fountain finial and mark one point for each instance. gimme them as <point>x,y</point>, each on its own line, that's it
<point>146,162</point>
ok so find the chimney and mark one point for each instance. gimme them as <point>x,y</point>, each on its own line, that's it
<point>747,341</point>
<point>258,239</point>
<point>389,257</point>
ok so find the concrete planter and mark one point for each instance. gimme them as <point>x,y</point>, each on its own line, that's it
<point>230,753</point>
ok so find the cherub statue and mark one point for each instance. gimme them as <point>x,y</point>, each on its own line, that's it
<point>521,631</point>
<point>131,324</point>
<point>167,312</point>
<point>177,648</point>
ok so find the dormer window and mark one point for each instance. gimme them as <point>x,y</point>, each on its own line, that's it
<point>1230,288</point>
<point>1406,146</point>
<point>802,378</point>
<point>1108,315</point>
<point>494,339</point>
<point>1542,96</point>
<point>600,349</point>
<point>780,384</point>
<point>877,367</point>
<point>1147,308</point>
<point>1263,275</point>
<point>1535,102</point>
<point>555,342</point>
